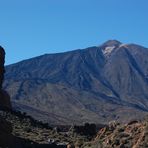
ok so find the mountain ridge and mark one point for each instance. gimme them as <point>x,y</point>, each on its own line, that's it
<point>84,83</point>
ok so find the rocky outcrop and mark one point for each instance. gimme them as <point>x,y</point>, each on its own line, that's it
<point>5,127</point>
<point>2,69</point>
<point>4,97</point>
<point>6,137</point>
<point>131,135</point>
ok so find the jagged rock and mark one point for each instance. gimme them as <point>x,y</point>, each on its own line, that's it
<point>134,134</point>
<point>4,97</point>
<point>2,69</point>
<point>5,127</point>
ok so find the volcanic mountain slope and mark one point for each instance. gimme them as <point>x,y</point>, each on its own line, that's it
<point>96,84</point>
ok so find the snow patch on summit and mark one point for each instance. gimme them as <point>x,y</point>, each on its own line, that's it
<point>107,51</point>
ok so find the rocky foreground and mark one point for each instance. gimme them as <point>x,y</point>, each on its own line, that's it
<point>34,133</point>
<point>23,131</point>
<point>131,135</point>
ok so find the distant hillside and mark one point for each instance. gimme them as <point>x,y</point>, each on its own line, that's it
<point>96,84</point>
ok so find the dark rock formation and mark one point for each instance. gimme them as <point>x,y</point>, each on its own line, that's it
<point>5,133</point>
<point>5,127</point>
<point>2,69</point>
<point>4,97</point>
<point>86,129</point>
<point>4,100</point>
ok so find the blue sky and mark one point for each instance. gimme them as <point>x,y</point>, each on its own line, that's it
<point>30,28</point>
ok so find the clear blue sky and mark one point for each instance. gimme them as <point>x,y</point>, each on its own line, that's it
<point>30,28</point>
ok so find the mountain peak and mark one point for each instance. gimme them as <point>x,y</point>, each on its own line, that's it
<point>110,43</point>
<point>109,46</point>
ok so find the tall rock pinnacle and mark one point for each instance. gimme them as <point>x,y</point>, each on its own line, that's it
<point>2,69</point>
<point>4,97</point>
